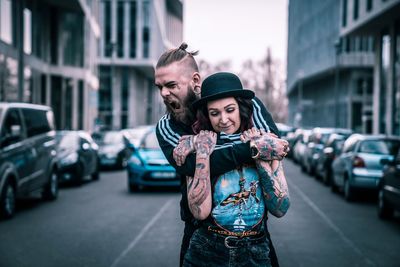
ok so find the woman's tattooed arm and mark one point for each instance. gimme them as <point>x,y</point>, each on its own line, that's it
<point>199,186</point>
<point>274,186</point>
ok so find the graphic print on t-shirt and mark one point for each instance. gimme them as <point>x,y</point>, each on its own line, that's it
<point>238,205</point>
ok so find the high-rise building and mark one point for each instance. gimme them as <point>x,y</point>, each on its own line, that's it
<point>329,75</point>
<point>380,19</point>
<point>134,33</point>
<point>48,56</point>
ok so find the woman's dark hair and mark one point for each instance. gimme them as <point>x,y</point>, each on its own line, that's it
<point>245,113</point>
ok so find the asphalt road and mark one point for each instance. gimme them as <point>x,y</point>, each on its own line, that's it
<point>102,224</point>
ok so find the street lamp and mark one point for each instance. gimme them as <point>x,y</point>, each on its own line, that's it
<point>337,46</point>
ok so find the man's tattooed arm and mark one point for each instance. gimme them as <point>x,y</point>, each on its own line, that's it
<point>183,149</point>
<point>199,186</point>
<point>274,186</point>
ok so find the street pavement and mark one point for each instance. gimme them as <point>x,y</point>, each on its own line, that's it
<point>102,224</point>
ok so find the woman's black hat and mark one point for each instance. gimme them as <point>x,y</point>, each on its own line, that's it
<point>221,85</point>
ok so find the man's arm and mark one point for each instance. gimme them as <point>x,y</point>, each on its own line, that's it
<point>199,186</point>
<point>224,158</point>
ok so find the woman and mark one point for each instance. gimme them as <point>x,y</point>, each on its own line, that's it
<point>232,207</point>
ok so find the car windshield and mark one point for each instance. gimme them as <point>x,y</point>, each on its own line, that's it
<point>67,140</point>
<point>136,135</point>
<point>1,112</point>
<point>150,141</point>
<point>381,147</point>
<point>108,138</point>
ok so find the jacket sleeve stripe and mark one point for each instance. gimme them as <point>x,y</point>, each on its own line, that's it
<point>163,129</point>
<point>258,118</point>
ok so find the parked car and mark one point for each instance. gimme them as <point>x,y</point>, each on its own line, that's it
<point>359,164</point>
<point>114,148</point>
<point>389,188</point>
<point>77,156</point>
<point>326,156</point>
<point>284,129</point>
<point>300,148</point>
<point>27,154</point>
<point>148,165</point>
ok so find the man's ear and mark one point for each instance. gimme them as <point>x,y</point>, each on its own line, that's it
<point>196,79</point>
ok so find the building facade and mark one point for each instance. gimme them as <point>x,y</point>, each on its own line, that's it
<point>134,33</point>
<point>329,76</point>
<point>48,52</point>
<point>381,19</point>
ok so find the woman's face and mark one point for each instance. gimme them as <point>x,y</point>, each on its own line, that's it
<point>224,115</point>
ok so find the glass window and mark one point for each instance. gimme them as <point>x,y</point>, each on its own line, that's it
<point>384,69</point>
<point>396,81</point>
<point>381,147</point>
<point>6,21</point>
<point>120,29</point>
<point>344,13</point>
<point>107,29</point>
<point>81,99</point>
<point>146,29</point>
<point>369,5</point>
<point>27,31</point>
<point>11,122</point>
<point>355,9</point>
<point>150,141</point>
<point>36,121</point>
<point>72,32</point>
<point>132,32</point>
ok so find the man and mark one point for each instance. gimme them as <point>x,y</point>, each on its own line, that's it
<point>178,79</point>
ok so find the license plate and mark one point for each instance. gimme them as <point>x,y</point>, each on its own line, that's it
<point>163,175</point>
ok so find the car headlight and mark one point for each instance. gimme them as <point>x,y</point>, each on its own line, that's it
<point>70,159</point>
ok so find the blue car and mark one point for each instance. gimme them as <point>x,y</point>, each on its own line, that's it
<point>359,166</point>
<point>148,166</point>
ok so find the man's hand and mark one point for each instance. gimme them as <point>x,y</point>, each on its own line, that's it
<point>204,143</point>
<point>270,147</point>
<point>184,148</point>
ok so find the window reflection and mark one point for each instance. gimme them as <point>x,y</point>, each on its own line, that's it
<point>5,21</point>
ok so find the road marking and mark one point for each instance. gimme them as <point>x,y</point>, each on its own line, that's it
<point>332,225</point>
<point>142,233</point>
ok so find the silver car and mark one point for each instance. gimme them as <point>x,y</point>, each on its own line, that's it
<point>359,165</point>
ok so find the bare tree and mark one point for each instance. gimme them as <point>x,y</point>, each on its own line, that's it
<point>266,79</point>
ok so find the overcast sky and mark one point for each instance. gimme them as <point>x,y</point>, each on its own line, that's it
<point>236,29</point>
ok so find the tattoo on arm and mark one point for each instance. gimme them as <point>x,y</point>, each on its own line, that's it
<point>274,186</point>
<point>199,189</point>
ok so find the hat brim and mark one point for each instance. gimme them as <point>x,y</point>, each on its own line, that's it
<point>245,93</point>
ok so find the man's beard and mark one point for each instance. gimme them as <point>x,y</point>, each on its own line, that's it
<point>187,115</point>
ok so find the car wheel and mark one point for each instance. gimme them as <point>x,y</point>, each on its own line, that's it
<point>327,177</point>
<point>96,175</point>
<point>79,174</point>
<point>7,201</point>
<point>385,211</point>
<point>334,187</point>
<point>133,188</point>
<point>348,191</point>
<point>50,190</point>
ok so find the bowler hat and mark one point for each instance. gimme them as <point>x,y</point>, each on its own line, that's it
<point>220,85</point>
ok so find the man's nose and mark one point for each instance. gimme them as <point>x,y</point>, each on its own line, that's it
<point>164,92</point>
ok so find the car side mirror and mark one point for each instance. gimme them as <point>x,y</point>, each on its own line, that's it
<point>131,146</point>
<point>15,131</point>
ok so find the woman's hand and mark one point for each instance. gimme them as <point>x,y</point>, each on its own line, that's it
<point>204,143</point>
